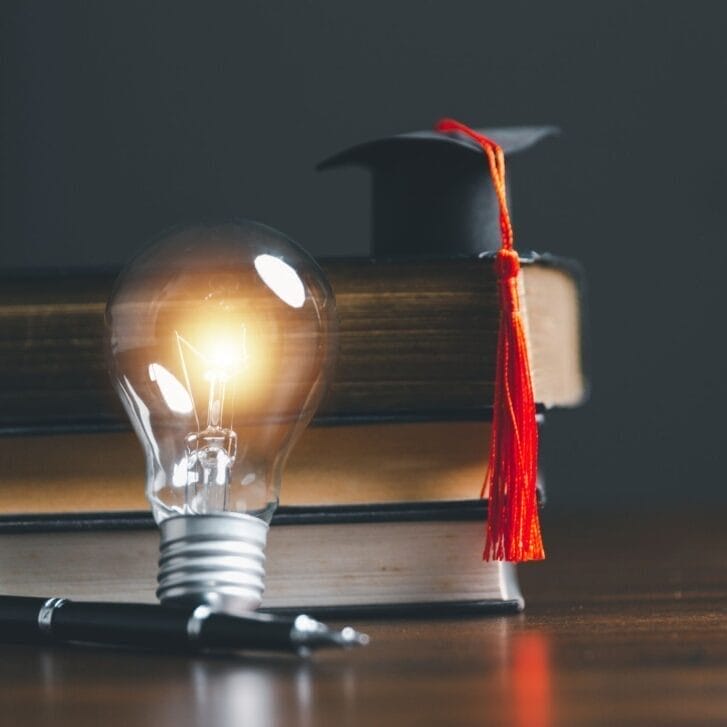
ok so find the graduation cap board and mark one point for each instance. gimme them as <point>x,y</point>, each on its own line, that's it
<point>432,194</point>
<point>444,192</point>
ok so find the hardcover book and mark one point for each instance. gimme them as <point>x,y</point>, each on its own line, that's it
<point>417,340</point>
<point>340,560</point>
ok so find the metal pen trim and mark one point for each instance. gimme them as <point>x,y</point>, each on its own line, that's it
<point>45,614</point>
<point>195,622</point>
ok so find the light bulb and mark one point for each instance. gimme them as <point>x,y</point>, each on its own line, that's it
<point>221,341</point>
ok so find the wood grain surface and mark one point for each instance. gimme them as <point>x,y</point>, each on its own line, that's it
<point>626,624</point>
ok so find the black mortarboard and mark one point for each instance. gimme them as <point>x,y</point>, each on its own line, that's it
<point>432,193</point>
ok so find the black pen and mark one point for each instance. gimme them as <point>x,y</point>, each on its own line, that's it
<point>59,620</point>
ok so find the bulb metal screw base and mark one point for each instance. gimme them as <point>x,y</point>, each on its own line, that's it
<point>217,560</point>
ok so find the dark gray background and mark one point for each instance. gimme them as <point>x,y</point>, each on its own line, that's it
<point>119,119</point>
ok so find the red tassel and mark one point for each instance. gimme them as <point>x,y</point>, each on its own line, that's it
<point>513,527</point>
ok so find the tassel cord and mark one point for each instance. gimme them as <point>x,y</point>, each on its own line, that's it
<point>513,528</point>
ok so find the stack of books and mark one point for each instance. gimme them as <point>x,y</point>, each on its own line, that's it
<point>380,508</point>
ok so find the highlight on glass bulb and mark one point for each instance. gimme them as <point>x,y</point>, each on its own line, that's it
<point>221,341</point>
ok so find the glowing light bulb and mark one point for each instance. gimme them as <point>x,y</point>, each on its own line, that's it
<point>221,341</point>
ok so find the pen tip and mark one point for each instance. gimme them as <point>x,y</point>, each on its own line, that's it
<point>310,634</point>
<point>351,637</point>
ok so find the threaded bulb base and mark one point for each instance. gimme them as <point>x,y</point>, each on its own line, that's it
<point>217,560</point>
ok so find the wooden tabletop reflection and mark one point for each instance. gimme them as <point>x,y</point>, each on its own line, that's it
<point>626,624</point>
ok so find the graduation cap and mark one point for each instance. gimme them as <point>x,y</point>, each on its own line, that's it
<point>444,192</point>
<point>432,194</point>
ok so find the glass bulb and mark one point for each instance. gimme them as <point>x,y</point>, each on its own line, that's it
<point>221,341</point>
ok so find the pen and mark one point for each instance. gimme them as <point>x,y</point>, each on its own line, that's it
<point>60,620</point>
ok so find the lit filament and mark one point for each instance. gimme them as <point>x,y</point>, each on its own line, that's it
<point>223,360</point>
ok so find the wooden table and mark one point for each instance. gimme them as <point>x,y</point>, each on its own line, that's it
<point>626,625</point>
